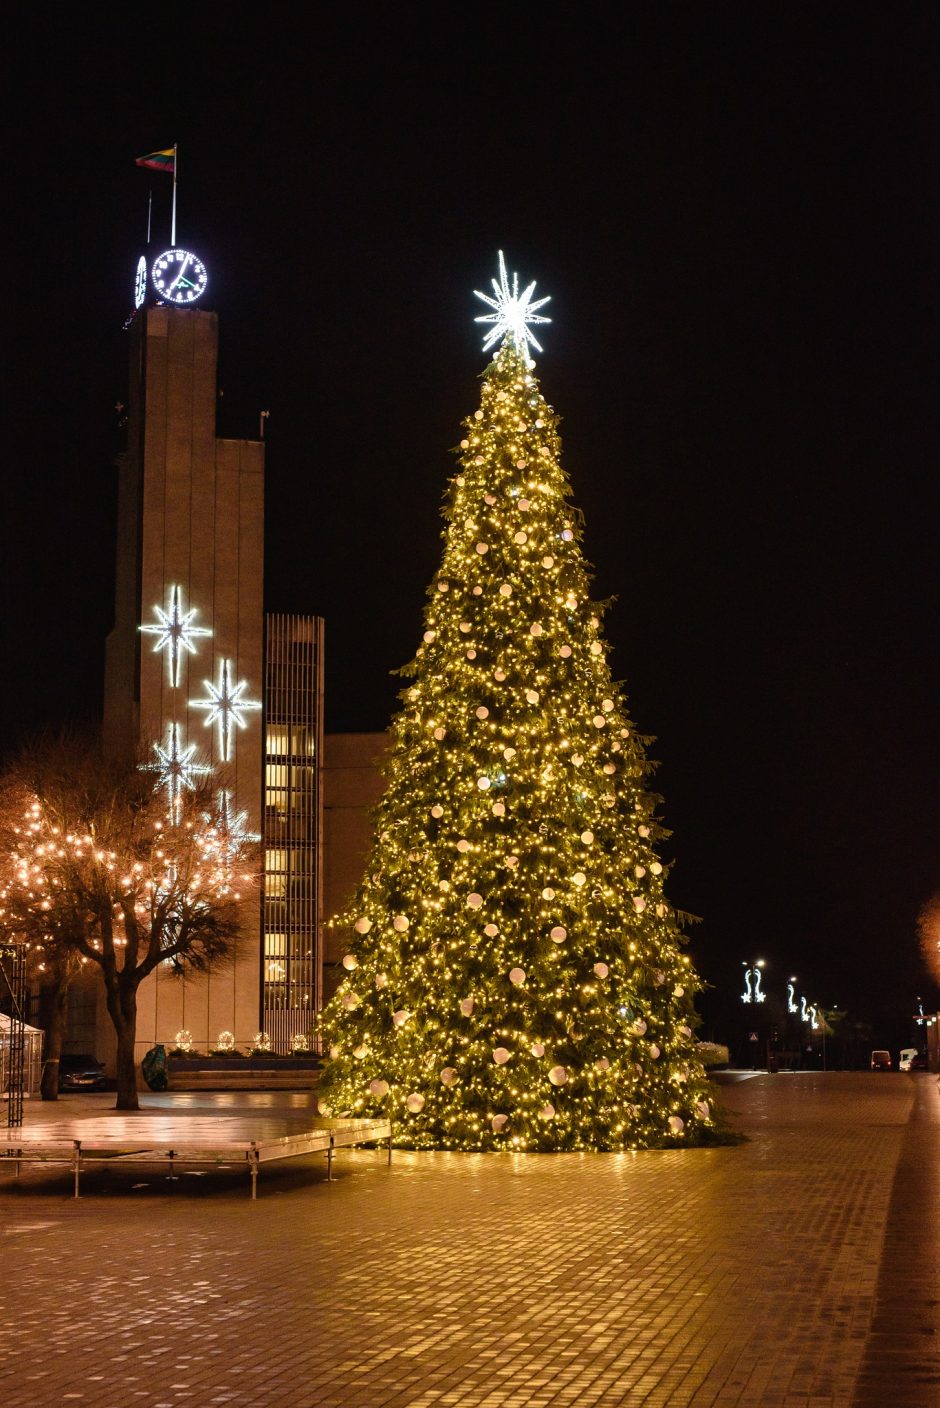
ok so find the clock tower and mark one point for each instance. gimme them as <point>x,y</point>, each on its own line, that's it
<point>184,669</point>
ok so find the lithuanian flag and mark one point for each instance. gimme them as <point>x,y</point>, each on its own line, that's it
<point>159,161</point>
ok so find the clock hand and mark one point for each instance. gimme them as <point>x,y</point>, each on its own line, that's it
<point>180,274</point>
<point>185,283</point>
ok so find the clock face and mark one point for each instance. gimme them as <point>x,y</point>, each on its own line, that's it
<point>179,277</point>
<point>140,282</point>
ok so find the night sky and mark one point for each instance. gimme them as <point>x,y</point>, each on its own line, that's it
<point>735,210</point>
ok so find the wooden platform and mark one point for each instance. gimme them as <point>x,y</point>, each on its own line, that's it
<point>250,1137</point>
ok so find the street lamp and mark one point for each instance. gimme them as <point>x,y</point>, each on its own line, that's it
<point>752,978</point>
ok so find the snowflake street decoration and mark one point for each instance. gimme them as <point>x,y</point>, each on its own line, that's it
<point>514,311</point>
<point>176,770</point>
<point>225,706</point>
<point>232,828</point>
<point>175,632</point>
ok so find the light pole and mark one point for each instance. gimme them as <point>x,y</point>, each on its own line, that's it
<point>753,994</point>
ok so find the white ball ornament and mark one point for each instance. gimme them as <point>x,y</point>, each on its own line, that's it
<point>547,1112</point>
<point>437,811</point>
<point>483,712</point>
<point>576,760</point>
<point>484,784</point>
<point>599,721</point>
<point>463,846</point>
<point>610,769</point>
<point>558,1075</point>
<point>490,930</point>
<point>509,753</point>
<point>497,1122</point>
<point>415,1102</point>
<point>639,871</point>
<point>660,910</point>
<point>676,1125</point>
<point>532,696</point>
<point>565,652</point>
<point>659,977</point>
<point>639,1027</point>
<point>567,535</point>
<point>350,962</point>
<point>517,976</point>
<point>360,1051</point>
<point>499,809</point>
<point>548,563</point>
<point>602,1064</point>
<point>474,901</point>
<point>579,878</point>
<point>489,499</point>
<point>558,934</point>
<point>655,1052</point>
<point>639,903</point>
<point>350,1000</point>
<point>400,923</point>
<point>465,627</point>
<point>537,1049</point>
<point>511,862</point>
<point>548,893</point>
<point>466,1006</point>
<point>505,589</point>
<point>429,636</point>
<point>501,1055</point>
<point>400,1017</point>
<point>596,647</point>
<point>601,969</point>
<point>656,868</point>
<point>702,1109</point>
<point>448,1075</point>
<point>381,980</point>
<point>587,838</point>
<point>334,1052</point>
<point>644,830</point>
<point>520,537</point>
<point>439,734</point>
<point>535,629</point>
<point>483,548</point>
<point>443,586</point>
<point>499,675</point>
<point>378,1089</point>
<point>607,705</point>
<point>678,990</point>
<point>685,1031</point>
<point>524,505</point>
<point>362,925</point>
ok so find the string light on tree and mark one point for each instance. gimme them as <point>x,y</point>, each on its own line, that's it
<point>226,707</point>
<point>175,632</point>
<point>516,976</point>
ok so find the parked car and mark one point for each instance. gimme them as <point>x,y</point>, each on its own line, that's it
<point>881,1060</point>
<point>81,1073</point>
<point>907,1053</point>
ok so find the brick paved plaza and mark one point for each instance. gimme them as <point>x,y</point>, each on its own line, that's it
<point>794,1271</point>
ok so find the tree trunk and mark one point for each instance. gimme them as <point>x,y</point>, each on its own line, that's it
<point>122,1007</point>
<point>53,1002</point>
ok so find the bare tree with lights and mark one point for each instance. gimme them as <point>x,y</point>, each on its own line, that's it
<point>94,869</point>
<point>515,976</point>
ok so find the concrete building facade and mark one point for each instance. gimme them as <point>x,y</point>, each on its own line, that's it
<point>189,624</point>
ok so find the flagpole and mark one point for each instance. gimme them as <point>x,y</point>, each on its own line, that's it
<point>173,220</point>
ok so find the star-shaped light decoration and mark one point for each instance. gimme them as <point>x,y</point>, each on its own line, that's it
<point>225,706</point>
<point>513,312</point>
<point>176,770</point>
<point>232,828</point>
<point>175,632</point>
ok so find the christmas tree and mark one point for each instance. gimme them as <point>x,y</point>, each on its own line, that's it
<point>515,976</point>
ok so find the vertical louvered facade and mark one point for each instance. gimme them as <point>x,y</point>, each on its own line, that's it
<point>292,963</point>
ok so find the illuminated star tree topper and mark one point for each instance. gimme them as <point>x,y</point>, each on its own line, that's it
<point>513,312</point>
<point>175,632</point>
<point>225,706</point>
